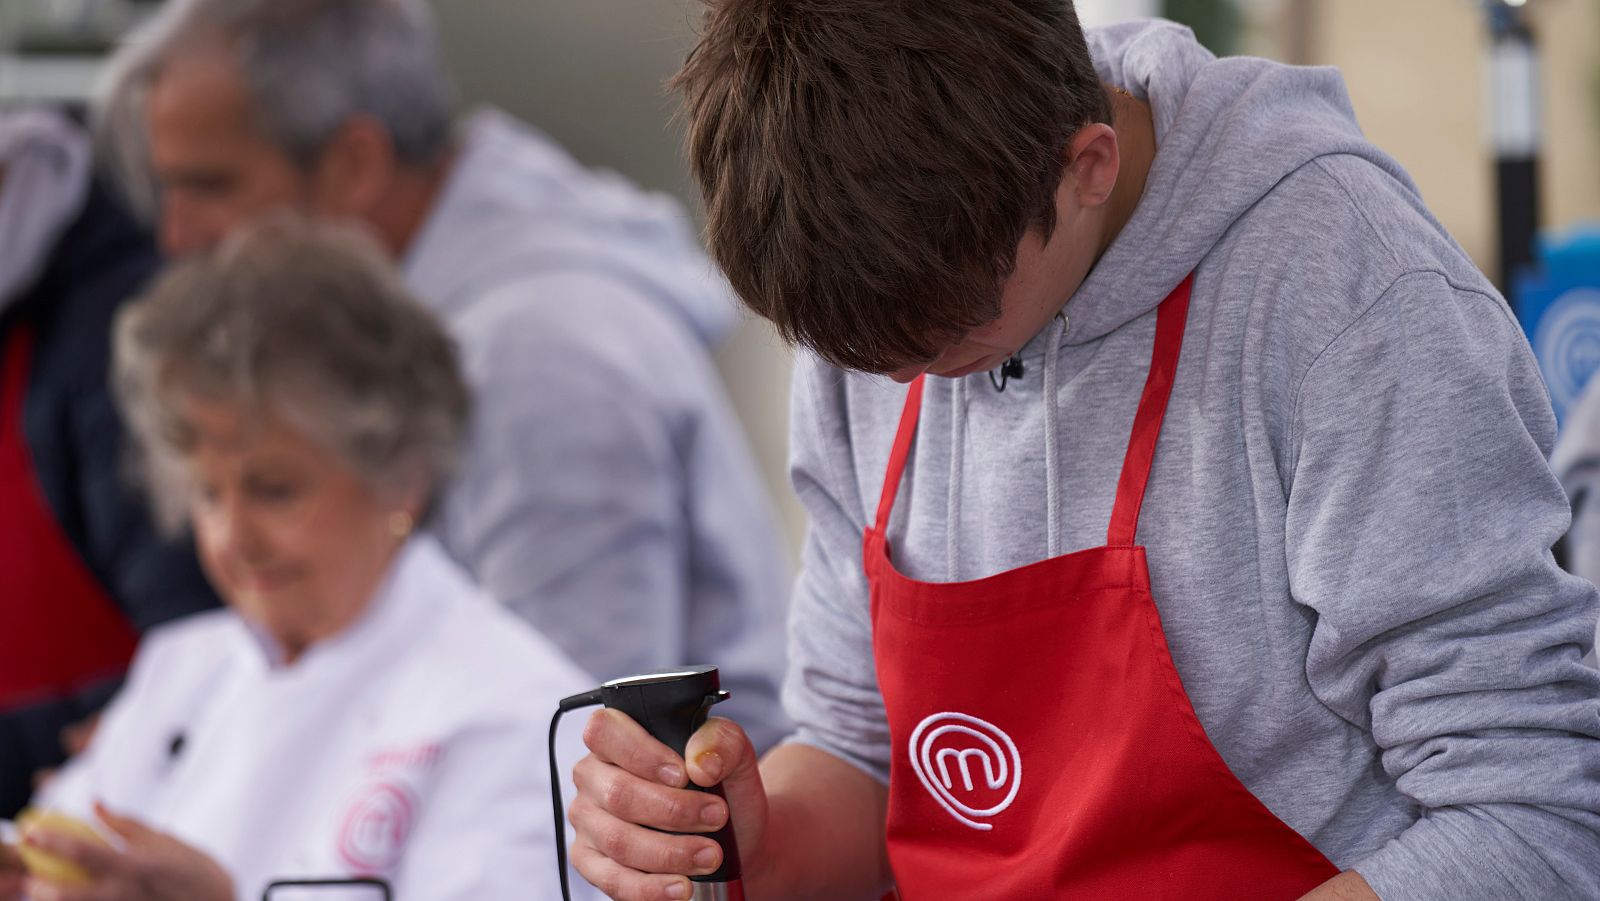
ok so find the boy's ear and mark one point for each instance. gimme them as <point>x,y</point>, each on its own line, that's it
<point>1092,164</point>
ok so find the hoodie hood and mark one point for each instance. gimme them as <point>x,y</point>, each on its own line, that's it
<point>1227,131</point>
<point>515,201</point>
<point>44,180</point>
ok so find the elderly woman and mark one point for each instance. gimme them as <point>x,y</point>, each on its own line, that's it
<point>359,708</point>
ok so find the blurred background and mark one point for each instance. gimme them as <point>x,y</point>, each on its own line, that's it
<point>1493,107</point>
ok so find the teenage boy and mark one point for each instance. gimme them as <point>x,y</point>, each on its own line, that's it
<point>1332,659</point>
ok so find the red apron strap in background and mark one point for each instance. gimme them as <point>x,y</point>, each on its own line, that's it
<point>897,457</point>
<point>62,632</point>
<point>1147,421</point>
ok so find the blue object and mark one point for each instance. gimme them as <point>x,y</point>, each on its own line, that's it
<point>1557,301</point>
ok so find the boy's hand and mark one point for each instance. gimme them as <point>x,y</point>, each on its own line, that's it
<point>630,781</point>
<point>1347,886</point>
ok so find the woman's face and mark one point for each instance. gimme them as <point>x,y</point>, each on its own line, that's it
<point>292,538</point>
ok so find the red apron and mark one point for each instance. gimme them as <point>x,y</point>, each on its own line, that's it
<point>1043,744</point>
<point>59,632</point>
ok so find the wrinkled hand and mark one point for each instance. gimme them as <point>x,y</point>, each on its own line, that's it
<point>12,874</point>
<point>152,866</point>
<point>630,781</point>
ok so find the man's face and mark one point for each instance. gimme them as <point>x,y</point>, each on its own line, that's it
<point>1045,276</point>
<point>214,168</point>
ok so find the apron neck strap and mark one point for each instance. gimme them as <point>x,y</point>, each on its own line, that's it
<point>897,457</point>
<point>1147,421</point>
<point>1136,465</point>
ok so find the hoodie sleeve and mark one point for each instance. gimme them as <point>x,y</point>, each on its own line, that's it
<point>832,686</point>
<point>567,509</point>
<point>1577,463</point>
<point>1421,514</point>
<point>601,500</point>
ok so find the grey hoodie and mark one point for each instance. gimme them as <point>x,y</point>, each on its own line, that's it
<point>1350,512</point>
<point>1576,461</point>
<point>609,496</point>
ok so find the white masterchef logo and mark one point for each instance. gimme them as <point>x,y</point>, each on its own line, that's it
<point>946,747</point>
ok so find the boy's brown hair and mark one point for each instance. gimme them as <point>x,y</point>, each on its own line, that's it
<point>869,166</point>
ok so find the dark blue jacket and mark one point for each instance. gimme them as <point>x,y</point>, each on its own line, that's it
<point>76,442</point>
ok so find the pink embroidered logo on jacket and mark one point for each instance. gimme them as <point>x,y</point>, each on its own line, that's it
<point>373,836</point>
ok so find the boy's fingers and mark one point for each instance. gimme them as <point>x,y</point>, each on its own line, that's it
<point>623,884</point>
<point>615,738</point>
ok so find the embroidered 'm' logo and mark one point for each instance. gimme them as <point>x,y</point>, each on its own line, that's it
<point>949,749</point>
<point>376,827</point>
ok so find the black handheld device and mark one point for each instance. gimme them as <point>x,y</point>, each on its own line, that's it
<point>670,704</point>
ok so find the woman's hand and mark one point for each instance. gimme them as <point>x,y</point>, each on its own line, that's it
<point>12,874</point>
<point>152,866</point>
<point>630,781</point>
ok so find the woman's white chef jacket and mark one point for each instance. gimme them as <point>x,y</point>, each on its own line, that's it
<point>412,746</point>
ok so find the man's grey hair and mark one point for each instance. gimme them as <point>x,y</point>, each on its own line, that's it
<point>308,66</point>
<point>305,321</point>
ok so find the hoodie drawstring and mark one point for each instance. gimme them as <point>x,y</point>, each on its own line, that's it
<point>1052,449</point>
<point>1052,456</point>
<point>958,423</point>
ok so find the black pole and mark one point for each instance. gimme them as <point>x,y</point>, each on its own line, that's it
<point>1515,132</point>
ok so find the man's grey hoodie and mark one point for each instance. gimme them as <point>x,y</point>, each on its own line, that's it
<point>1349,519</point>
<point>609,496</point>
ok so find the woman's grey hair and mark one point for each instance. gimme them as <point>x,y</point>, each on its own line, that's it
<point>304,321</point>
<point>308,66</point>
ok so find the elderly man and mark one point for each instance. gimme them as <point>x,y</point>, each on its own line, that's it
<point>609,496</point>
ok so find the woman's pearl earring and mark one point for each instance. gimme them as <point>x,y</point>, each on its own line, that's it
<point>401,523</point>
